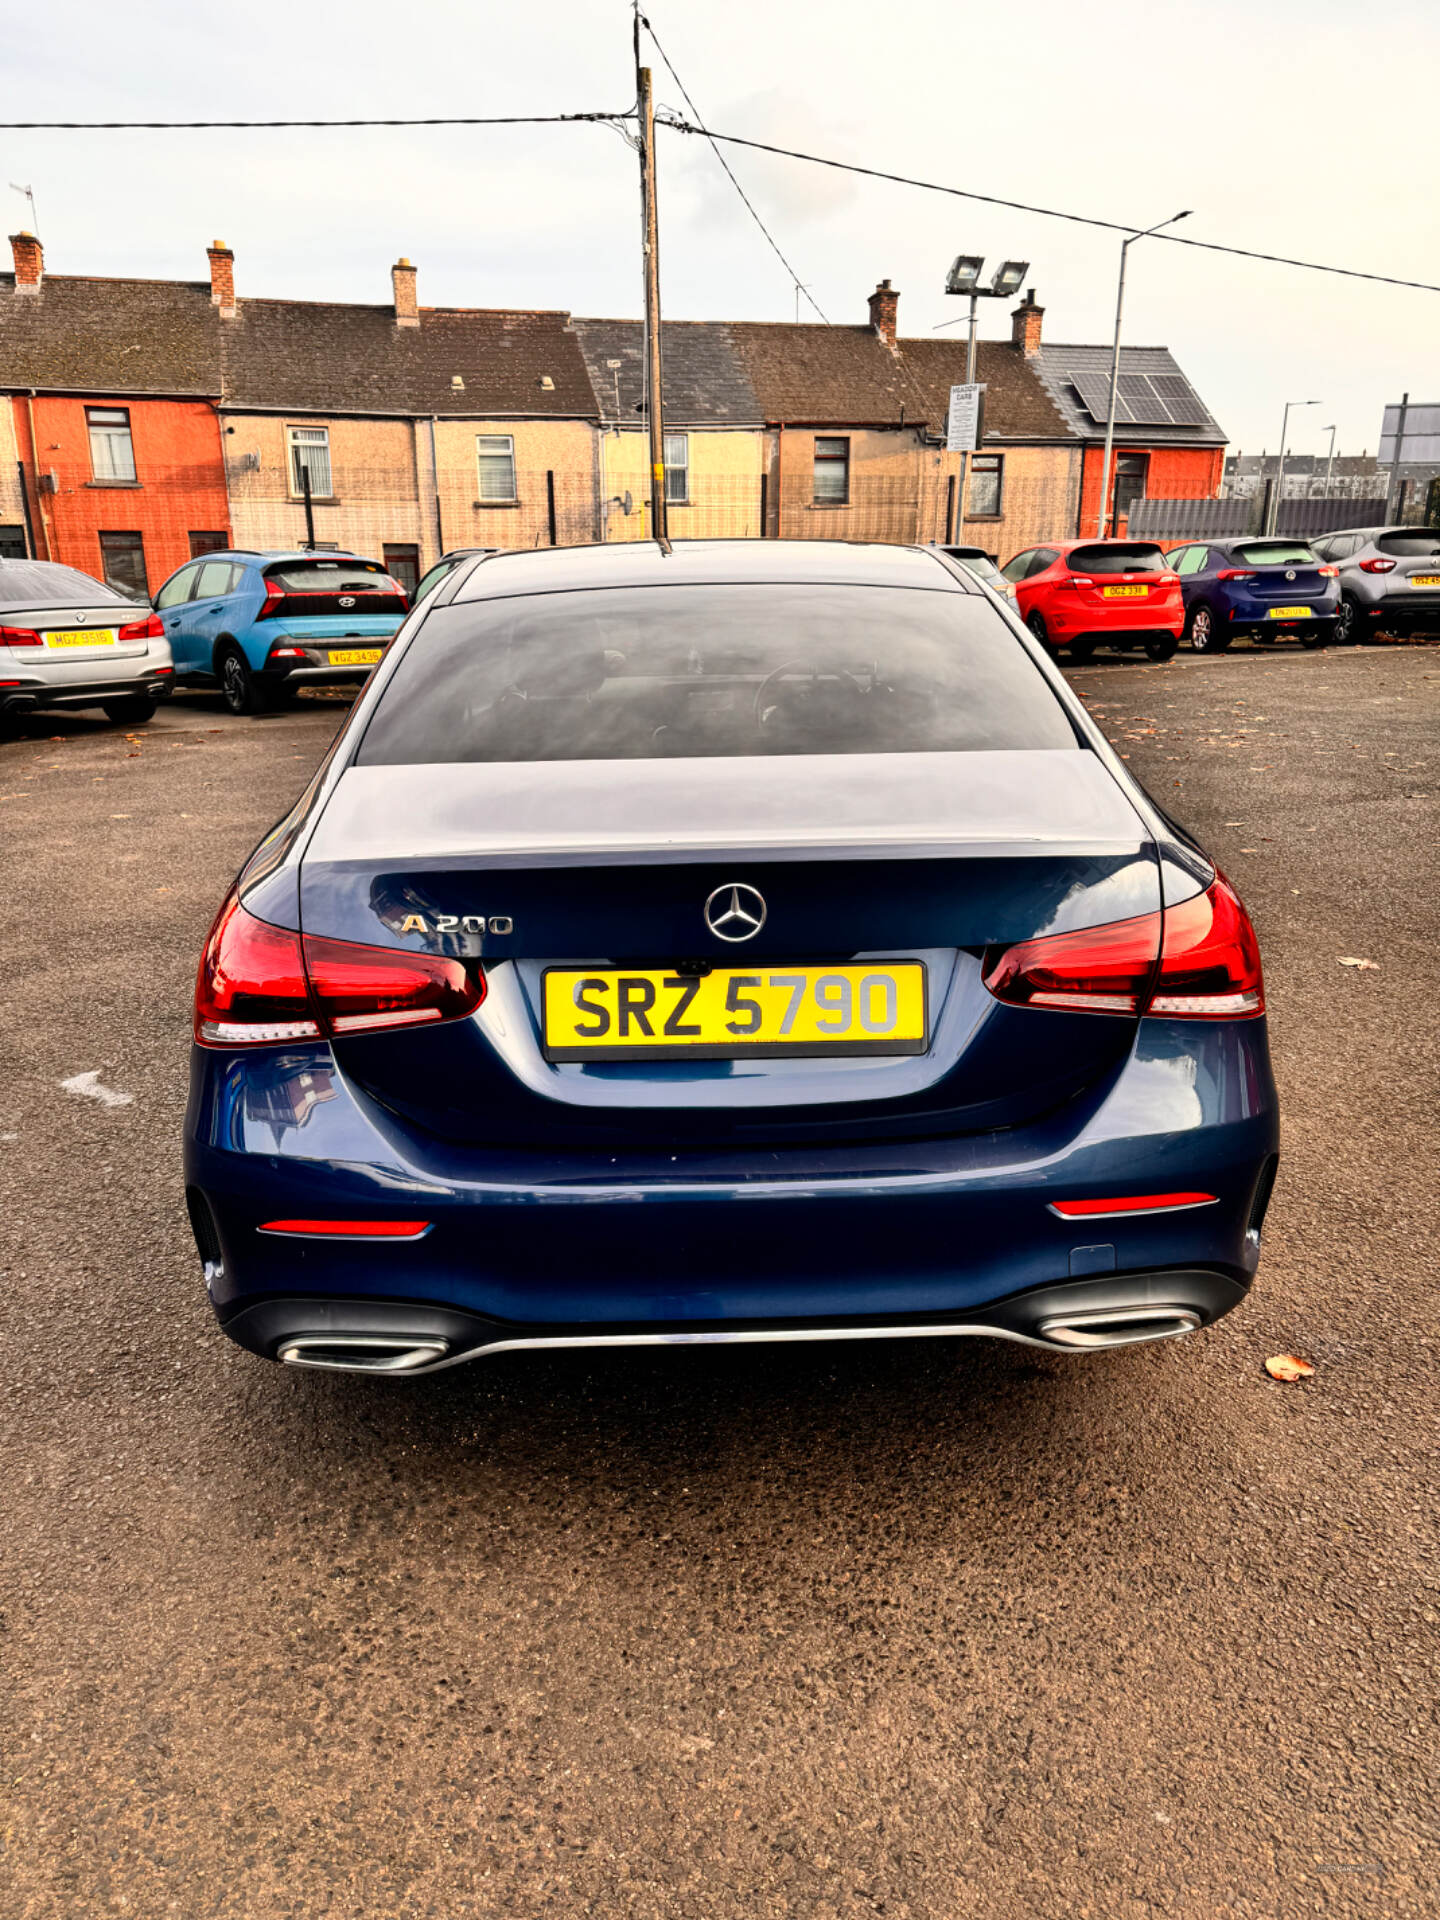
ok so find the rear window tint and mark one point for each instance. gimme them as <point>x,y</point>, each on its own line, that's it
<point>41,583</point>
<point>1409,545</point>
<point>1117,558</point>
<point>330,576</point>
<point>1276,553</point>
<point>699,672</point>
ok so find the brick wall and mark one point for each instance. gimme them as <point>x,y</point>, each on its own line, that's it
<point>375,496</point>
<point>1174,473</point>
<point>179,486</point>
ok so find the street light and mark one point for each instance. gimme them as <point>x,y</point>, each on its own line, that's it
<point>1329,459</point>
<point>1125,246</point>
<point>964,277</point>
<point>1274,513</point>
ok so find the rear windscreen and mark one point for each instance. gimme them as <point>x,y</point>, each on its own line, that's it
<point>1409,546</point>
<point>330,576</point>
<point>1276,553</point>
<point>1116,558</point>
<point>40,583</point>
<point>698,672</point>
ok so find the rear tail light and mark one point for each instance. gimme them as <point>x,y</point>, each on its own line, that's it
<point>349,1229</point>
<point>147,629</point>
<point>1329,573</point>
<point>260,985</point>
<point>1377,566</point>
<point>1199,961</point>
<point>1076,580</point>
<point>1234,573</point>
<point>287,653</point>
<point>274,600</point>
<point>19,637</point>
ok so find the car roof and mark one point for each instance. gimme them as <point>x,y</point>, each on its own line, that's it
<point>281,553</point>
<point>642,563</point>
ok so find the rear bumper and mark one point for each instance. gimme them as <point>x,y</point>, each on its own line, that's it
<point>1119,617</point>
<point>1397,610</point>
<point>865,1237</point>
<point>32,694</point>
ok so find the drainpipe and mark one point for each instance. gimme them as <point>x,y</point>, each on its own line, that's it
<point>435,475</point>
<point>35,467</point>
<point>780,482</point>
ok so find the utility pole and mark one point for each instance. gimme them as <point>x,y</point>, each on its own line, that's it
<point>1105,460</point>
<point>1329,461</point>
<point>1392,491</point>
<point>653,405</point>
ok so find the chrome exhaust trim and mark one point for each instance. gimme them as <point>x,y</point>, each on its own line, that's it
<point>1119,1327</point>
<point>361,1353</point>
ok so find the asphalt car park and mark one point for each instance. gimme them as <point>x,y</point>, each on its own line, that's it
<point>924,1629</point>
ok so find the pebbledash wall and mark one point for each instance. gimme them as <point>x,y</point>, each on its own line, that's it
<point>376,493</point>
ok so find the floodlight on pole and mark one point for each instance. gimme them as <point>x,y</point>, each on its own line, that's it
<point>1009,278</point>
<point>1125,246</point>
<point>964,278</point>
<point>964,273</point>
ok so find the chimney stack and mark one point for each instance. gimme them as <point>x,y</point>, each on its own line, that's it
<point>885,311</point>
<point>1025,325</point>
<point>222,278</point>
<point>402,276</point>
<point>29,262</point>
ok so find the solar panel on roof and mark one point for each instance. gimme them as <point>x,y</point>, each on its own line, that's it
<point>1186,407</point>
<point>1094,392</point>
<point>1146,405</point>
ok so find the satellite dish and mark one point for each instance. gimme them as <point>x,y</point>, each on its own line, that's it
<point>627,501</point>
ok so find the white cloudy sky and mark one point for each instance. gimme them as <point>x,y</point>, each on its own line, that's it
<point>1303,127</point>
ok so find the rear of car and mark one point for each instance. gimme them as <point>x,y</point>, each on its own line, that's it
<point>1270,589</point>
<point>981,566</point>
<point>725,945</point>
<point>323,619</point>
<point>1389,579</point>
<point>67,640</point>
<point>1120,593</point>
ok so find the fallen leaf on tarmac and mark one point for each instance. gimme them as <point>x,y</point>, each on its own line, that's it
<point>1288,1366</point>
<point>1363,966</point>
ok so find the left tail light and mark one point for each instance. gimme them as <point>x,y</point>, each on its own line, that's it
<point>1197,961</point>
<point>149,628</point>
<point>19,637</point>
<point>261,985</point>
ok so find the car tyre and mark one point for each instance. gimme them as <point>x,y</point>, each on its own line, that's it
<point>1203,633</point>
<point>1162,646</point>
<point>243,690</point>
<point>1082,648</point>
<point>1036,623</point>
<point>133,712</point>
<point>1313,638</point>
<point>1347,621</point>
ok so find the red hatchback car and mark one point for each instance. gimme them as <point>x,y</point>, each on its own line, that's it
<point>1079,594</point>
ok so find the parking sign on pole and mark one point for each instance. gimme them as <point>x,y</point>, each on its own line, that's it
<point>962,424</point>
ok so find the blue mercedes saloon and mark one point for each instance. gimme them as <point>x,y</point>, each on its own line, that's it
<point>754,940</point>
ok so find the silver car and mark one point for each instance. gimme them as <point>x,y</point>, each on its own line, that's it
<point>1389,578</point>
<point>69,641</point>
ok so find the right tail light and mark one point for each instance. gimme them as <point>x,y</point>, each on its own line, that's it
<point>1197,961</point>
<point>1377,566</point>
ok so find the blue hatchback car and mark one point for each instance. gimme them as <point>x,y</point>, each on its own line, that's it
<point>263,624</point>
<point>750,941</point>
<point>1271,589</point>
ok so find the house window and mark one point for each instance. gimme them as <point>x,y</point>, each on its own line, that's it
<point>112,454</point>
<point>495,453</point>
<point>122,564</point>
<point>677,469</point>
<point>208,543</point>
<point>403,564</point>
<point>987,479</point>
<point>832,472</point>
<point>310,453</point>
<point>1130,474</point>
<point>12,544</point>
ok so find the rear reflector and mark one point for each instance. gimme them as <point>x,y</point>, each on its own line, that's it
<point>261,985</point>
<point>1134,1203</point>
<point>349,1229</point>
<point>1197,961</point>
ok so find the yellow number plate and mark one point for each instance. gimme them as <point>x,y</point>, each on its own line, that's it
<point>1425,579</point>
<point>1289,613</point>
<point>1123,593</point>
<point>101,637</point>
<point>629,1014</point>
<point>355,656</point>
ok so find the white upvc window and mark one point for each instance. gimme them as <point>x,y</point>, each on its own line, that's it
<point>495,457</point>
<point>310,453</point>
<point>112,452</point>
<point>677,469</point>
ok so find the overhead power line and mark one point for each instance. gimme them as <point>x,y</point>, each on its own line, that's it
<point>198,126</point>
<point>677,125</point>
<point>799,285</point>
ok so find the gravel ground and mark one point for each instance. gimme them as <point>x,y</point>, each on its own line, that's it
<point>924,1631</point>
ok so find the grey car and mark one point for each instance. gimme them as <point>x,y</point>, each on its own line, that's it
<point>1389,578</point>
<point>69,641</point>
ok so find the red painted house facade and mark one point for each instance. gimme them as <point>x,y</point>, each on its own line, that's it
<point>121,476</point>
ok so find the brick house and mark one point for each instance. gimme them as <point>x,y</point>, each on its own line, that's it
<point>109,388</point>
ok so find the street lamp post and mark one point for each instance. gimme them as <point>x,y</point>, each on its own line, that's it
<point>1125,246</point>
<point>1329,460</point>
<point>1273,515</point>
<point>964,277</point>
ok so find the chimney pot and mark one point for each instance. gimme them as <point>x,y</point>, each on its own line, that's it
<point>29,258</point>
<point>222,278</point>
<point>1025,323</point>
<point>884,311</point>
<point>402,279</point>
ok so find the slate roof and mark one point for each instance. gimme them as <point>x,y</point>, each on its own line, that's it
<point>847,376</point>
<point>1059,364</point>
<point>704,378</point>
<point>86,334</point>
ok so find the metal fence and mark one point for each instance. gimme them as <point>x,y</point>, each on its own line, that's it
<point>1233,519</point>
